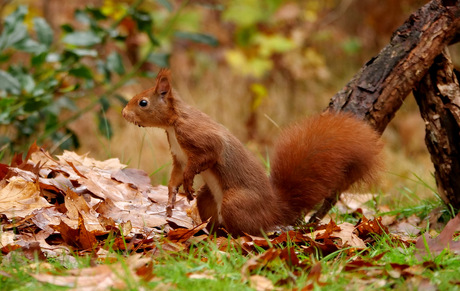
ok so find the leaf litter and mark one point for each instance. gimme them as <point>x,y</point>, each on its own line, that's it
<point>75,205</point>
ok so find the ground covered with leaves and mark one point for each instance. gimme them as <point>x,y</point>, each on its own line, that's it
<point>75,222</point>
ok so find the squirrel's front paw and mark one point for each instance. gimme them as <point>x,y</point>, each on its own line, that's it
<point>169,209</point>
<point>189,191</point>
<point>190,196</point>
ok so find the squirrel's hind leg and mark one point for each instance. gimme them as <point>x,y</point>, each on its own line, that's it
<point>207,207</point>
<point>325,207</point>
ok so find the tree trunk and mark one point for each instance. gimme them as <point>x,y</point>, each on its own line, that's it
<point>378,90</point>
<point>438,97</point>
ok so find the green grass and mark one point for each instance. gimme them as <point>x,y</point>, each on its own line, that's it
<point>221,270</point>
<point>387,263</point>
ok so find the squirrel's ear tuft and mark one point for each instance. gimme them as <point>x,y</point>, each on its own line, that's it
<point>163,82</point>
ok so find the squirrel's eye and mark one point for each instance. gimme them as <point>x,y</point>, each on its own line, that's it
<point>143,103</point>
<point>163,93</point>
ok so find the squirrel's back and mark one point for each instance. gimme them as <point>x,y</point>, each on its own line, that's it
<point>322,156</point>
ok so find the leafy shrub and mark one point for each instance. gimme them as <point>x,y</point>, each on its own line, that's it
<point>48,80</point>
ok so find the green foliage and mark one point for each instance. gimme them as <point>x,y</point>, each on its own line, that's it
<point>45,75</point>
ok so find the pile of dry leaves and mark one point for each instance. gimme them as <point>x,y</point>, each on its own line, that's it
<point>73,204</point>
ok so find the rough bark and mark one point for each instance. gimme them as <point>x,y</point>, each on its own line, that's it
<point>438,97</point>
<point>378,90</point>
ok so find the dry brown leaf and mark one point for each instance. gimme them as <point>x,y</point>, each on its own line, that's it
<point>387,220</point>
<point>182,235</point>
<point>260,283</point>
<point>46,217</point>
<point>327,247</point>
<point>79,238</point>
<point>360,264</point>
<point>20,198</point>
<point>315,275</point>
<point>77,197</point>
<point>325,231</point>
<point>284,237</point>
<point>77,206</point>
<point>97,278</point>
<point>346,232</point>
<point>86,164</point>
<point>374,226</point>
<point>259,261</point>
<point>145,272</point>
<point>59,182</point>
<point>349,237</point>
<point>407,226</point>
<point>135,178</point>
<point>143,217</point>
<point>442,241</point>
<point>351,202</point>
<point>207,274</point>
<point>44,159</point>
<point>3,170</point>
<point>6,238</point>
<point>32,251</point>
<point>101,277</point>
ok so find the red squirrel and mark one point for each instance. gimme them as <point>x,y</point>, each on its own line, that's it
<point>314,160</point>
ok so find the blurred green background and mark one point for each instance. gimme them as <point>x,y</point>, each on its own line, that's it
<point>68,67</point>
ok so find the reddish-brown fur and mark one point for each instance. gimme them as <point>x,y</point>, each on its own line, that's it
<point>322,156</point>
<point>313,160</point>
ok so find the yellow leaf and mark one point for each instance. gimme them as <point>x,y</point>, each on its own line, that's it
<point>270,44</point>
<point>255,66</point>
<point>260,93</point>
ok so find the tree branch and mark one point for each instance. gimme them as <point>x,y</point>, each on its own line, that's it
<point>378,90</point>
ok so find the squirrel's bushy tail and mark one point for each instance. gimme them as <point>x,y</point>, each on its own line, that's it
<point>321,157</point>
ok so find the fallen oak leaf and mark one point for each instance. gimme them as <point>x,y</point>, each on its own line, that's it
<point>261,283</point>
<point>397,270</point>
<point>3,170</point>
<point>359,262</point>
<point>7,239</point>
<point>77,207</point>
<point>408,227</point>
<point>367,227</point>
<point>32,149</point>
<point>314,276</point>
<point>16,161</point>
<point>325,238</point>
<point>434,246</point>
<point>136,178</point>
<point>206,274</point>
<point>326,231</point>
<point>289,256</point>
<point>75,169</point>
<point>259,261</point>
<point>326,247</point>
<point>182,235</point>
<point>86,164</point>
<point>224,243</point>
<point>142,217</point>
<point>285,237</point>
<point>145,272</point>
<point>356,202</point>
<point>20,198</point>
<point>348,236</point>
<point>33,251</point>
<point>59,183</point>
<point>79,238</point>
<point>96,278</point>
